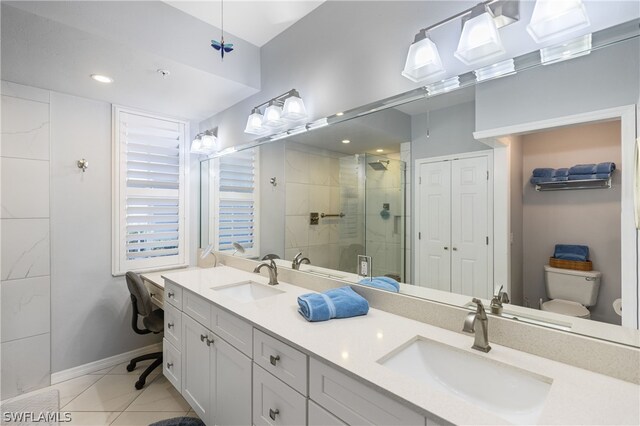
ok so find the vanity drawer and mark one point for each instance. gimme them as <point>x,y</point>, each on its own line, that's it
<point>281,360</point>
<point>172,325</point>
<point>156,293</point>
<point>237,332</point>
<point>196,307</point>
<point>275,403</point>
<point>355,402</point>
<point>171,364</point>
<point>173,294</point>
<point>318,416</point>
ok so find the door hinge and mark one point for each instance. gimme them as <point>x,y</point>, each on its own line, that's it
<point>487,174</point>
<point>419,180</point>
<point>487,240</point>
<point>419,235</point>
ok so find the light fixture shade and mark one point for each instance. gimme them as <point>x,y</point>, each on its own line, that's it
<point>580,46</point>
<point>499,69</point>
<point>479,41</point>
<point>209,142</point>
<point>254,124</point>
<point>273,117</point>
<point>555,18</point>
<point>423,61</point>
<point>293,109</point>
<point>196,146</point>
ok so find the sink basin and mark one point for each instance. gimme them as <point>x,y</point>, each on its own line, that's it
<point>513,394</point>
<point>247,291</point>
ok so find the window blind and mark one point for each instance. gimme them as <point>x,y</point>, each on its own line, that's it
<point>237,201</point>
<point>150,198</point>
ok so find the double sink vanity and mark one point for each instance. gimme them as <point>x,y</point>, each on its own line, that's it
<point>239,352</point>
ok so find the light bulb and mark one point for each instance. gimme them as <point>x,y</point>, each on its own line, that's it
<point>294,109</point>
<point>273,116</point>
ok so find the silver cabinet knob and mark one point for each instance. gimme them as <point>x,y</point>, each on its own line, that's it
<point>170,294</point>
<point>209,341</point>
<point>273,413</point>
<point>455,249</point>
<point>274,359</point>
<point>446,248</point>
<point>203,337</point>
<point>169,325</point>
<point>169,364</point>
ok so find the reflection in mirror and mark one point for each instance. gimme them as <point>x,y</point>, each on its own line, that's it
<point>438,192</point>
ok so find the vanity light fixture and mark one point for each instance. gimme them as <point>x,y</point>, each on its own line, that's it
<point>423,60</point>
<point>101,78</point>
<point>499,69</point>
<point>280,113</point>
<point>205,143</point>
<point>443,86</point>
<point>577,47</point>
<point>556,18</point>
<point>345,141</point>
<point>480,40</point>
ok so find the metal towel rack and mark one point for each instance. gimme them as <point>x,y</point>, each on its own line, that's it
<point>332,215</point>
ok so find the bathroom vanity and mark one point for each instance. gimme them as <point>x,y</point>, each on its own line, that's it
<point>239,352</point>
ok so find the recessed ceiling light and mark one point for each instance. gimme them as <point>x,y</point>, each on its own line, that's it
<point>346,141</point>
<point>379,150</point>
<point>101,78</point>
<point>340,114</point>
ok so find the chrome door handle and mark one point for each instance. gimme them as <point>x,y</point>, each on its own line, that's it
<point>169,364</point>
<point>273,413</point>
<point>169,325</point>
<point>274,359</point>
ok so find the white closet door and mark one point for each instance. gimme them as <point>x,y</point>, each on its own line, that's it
<point>469,229</point>
<point>435,226</point>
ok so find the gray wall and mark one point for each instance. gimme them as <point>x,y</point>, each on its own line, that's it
<point>515,220</point>
<point>589,217</point>
<point>606,78</point>
<point>90,309</point>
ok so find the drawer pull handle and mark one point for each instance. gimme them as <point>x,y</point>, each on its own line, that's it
<point>274,359</point>
<point>209,342</point>
<point>169,325</point>
<point>170,294</point>
<point>169,364</point>
<point>273,413</point>
<point>203,336</point>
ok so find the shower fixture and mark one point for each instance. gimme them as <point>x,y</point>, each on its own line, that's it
<point>379,165</point>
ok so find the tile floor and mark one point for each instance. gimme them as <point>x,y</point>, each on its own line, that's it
<point>108,397</point>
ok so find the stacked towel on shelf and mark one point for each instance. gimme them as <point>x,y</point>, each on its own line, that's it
<point>383,283</point>
<point>561,174</point>
<point>340,302</point>
<point>571,252</point>
<point>590,177</point>
<point>542,172</point>
<point>591,171</point>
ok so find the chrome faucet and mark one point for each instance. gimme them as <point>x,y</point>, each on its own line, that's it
<point>497,301</point>
<point>273,271</point>
<point>481,341</point>
<point>299,260</point>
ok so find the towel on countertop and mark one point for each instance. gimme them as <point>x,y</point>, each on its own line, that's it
<point>571,252</point>
<point>543,172</point>
<point>383,283</point>
<point>583,169</point>
<point>590,177</point>
<point>608,167</point>
<point>340,302</point>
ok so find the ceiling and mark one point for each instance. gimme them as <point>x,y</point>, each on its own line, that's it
<point>254,21</point>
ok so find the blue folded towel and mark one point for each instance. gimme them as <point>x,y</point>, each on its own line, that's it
<point>383,283</point>
<point>543,172</point>
<point>608,167</point>
<point>536,180</point>
<point>571,252</point>
<point>564,172</point>
<point>340,302</point>
<point>590,177</point>
<point>583,169</point>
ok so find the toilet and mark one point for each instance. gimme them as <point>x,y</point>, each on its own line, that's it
<point>570,291</point>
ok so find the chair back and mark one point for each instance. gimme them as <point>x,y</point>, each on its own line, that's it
<point>140,293</point>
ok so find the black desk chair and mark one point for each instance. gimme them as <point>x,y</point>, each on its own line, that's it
<point>153,321</point>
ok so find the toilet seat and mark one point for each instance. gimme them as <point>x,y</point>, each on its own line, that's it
<point>566,307</point>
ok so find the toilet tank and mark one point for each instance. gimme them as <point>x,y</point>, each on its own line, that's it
<point>577,286</point>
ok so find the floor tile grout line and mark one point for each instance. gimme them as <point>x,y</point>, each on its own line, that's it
<point>88,387</point>
<point>143,391</point>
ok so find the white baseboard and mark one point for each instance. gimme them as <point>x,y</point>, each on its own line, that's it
<point>101,364</point>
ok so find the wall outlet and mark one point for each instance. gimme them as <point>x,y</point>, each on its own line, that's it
<point>364,265</point>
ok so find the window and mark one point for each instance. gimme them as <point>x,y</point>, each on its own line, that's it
<point>149,192</point>
<point>235,196</point>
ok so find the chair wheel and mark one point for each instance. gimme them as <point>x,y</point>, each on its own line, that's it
<point>131,366</point>
<point>140,384</point>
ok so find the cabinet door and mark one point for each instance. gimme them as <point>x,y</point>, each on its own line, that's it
<point>434,226</point>
<point>196,369</point>
<point>230,385</point>
<point>275,403</point>
<point>318,416</point>
<point>469,236</point>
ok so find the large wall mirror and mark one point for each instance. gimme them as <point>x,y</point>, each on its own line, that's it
<point>438,191</point>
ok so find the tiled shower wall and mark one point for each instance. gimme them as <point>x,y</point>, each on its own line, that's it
<point>24,265</point>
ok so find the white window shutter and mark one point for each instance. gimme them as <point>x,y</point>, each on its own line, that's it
<point>149,192</point>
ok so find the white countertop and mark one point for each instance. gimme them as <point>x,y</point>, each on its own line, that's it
<point>354,345</point>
